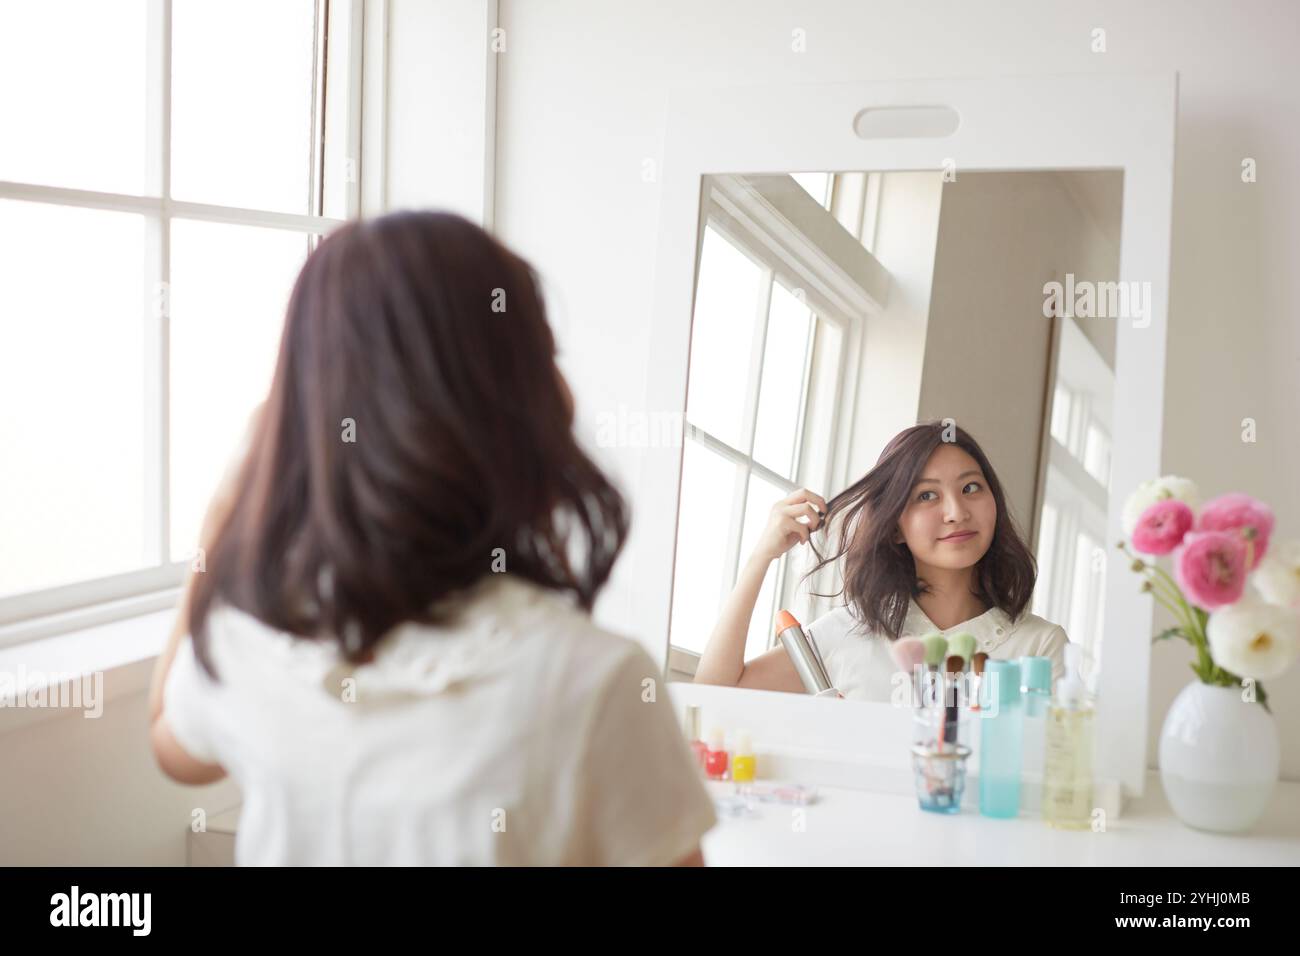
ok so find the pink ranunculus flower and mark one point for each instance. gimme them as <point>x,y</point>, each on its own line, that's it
<point>1247,517</point>
<point>1162,526</point>
<point>1210,567</point>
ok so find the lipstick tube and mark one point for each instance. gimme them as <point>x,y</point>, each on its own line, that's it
<point>804,655</point>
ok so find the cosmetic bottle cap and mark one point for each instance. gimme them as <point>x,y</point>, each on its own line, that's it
<point>692,722</point>
<point>715,738</point>
<point>744,745</point>
<point>1036,675</point>
<point>1070,691</point>
<point>1005,681</point>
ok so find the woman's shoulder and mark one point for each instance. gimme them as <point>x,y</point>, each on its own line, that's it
<point>1038,637</point>
<point>508,621</point>
<point>500,624</point>
<point>1032,625</point>
<point>838,625</point>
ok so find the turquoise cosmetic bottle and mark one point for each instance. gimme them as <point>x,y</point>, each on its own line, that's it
<point>1036,699</point>
<point>1001,718</point>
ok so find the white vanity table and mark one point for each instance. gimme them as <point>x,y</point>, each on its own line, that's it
<point>846,827</point>
<point>866,811</point>
<point>863,828</point>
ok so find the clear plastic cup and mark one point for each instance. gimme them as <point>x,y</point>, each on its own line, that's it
<point>940,776</point>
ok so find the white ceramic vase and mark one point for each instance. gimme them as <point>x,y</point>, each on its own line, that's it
<point>1219,758</point>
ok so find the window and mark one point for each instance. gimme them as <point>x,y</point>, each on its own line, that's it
<point>751,402</point>
<point>1072,525</point>
<point>1096,453</point>
<point>817,185</point>
<point>1080,426</point>
<point>167,168</point>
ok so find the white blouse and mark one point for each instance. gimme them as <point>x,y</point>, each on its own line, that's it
<point>520,734</point>
<point>859,664</point>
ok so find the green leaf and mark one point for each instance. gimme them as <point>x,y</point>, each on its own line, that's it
<point>1168,633</point>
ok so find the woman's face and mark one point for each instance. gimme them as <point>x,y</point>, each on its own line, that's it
<point>949,519</point>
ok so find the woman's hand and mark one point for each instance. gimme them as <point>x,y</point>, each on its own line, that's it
<point>219,508</point>
<point>792,519</point>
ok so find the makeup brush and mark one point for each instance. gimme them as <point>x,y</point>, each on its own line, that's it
<point>909,654</point>
<point>936,648</point>
<point>963,645</point>
<point>953,667</point>
<point>977,666</point>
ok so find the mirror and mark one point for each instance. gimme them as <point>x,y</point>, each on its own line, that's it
<point>834,310</point>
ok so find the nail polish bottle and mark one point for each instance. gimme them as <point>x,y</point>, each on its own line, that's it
<point>698,747</point>
<point>743,762</point>
<point>715,761</point>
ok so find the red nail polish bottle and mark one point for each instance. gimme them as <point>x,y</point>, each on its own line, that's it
<point>715,761</point>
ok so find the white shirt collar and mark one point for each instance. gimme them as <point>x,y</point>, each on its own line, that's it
<point>990,629</point>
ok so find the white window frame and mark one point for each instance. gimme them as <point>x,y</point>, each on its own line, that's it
<point>30,615</point>
<point>1079,498</point>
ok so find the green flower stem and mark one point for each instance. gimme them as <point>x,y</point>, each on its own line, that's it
<point>1192,623</point>
<point>1166,590</point>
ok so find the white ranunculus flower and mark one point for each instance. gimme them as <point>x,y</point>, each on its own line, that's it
<point>1277,578</point>
<point>1157,489</point>
<point>1254,639</point>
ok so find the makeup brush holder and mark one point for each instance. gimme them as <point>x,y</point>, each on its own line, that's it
<point>940,750</point>
<point>940,776</point>
<point>934,724</point>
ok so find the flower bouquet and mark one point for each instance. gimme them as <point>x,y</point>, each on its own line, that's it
<point>1236,601</point>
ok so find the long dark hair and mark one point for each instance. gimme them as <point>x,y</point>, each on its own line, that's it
<point>429,340</point>
<point>880,577</point>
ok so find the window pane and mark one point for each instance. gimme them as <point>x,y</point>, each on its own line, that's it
<point>224,340</point>
<point>1085,573</point>
<point>779,401</point>
<point>703,523</point>
<point>72,94</point>
<point>814,456</point>
<point>759,499</point>
<point>817,185</point>
<point>722,335</point>
<point>241,102</point>
<point>72,389</point>
<point>1061,415</point>
<point>1046,557</point>
<point>1096,454</point>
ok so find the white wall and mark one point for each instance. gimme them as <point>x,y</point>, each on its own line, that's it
<point>1002,236</point>
<point>437,147</point>
<point>894,345</point>
<point>86,792</point>
<point>582,93</point>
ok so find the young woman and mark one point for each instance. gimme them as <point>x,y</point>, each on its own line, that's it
<point>390,647</point>
<point>927,545</point>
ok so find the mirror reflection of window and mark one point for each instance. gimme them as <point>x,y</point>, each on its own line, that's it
<point>750,405</point>
<point>728,297</point>
<point>1072,526</point>
<point>817,185</point>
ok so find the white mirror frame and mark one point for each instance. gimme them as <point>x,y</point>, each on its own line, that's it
<point>1006,123</point>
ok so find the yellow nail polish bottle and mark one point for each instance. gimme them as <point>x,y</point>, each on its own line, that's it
<point>743,762</point>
